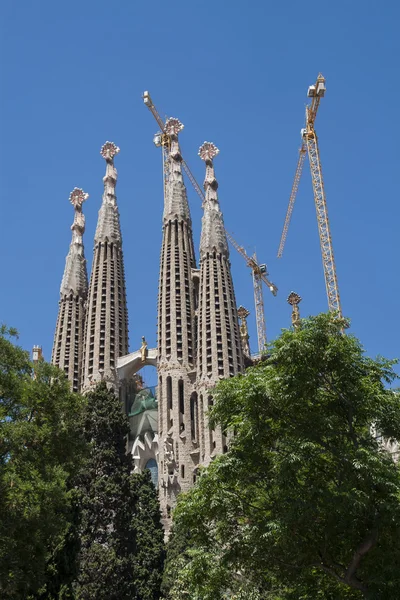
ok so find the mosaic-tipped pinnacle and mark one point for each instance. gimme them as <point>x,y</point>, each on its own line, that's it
<point>173,126</point>
<point>109,150</point>
<point>77,197</point>
<point>208,151</point>
<point>294,298</point>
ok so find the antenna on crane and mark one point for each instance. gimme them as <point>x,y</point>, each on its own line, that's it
<point>310,146</point>
<point>259,271</point>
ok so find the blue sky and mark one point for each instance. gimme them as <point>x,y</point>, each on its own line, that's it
<point>234,73</point>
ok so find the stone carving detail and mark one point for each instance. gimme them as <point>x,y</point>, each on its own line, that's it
<point>77,197</point>
<point>208,151</point>
<point>173,126</point>
<point>109,150</point>
<point>143,349</point>
<point>169,456</point>
<point>294,300</point>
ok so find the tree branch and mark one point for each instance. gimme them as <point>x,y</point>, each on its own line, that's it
<point>365,546</point>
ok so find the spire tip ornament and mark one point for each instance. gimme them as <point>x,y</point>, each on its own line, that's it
<point>294,300</point>
<point>77,197</point>
<point>109,150</point>
<point>208,151</point>
<point>173,126</point>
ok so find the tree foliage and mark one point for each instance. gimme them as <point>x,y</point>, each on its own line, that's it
<point>121,554</point>
<point>148,562</point>
<point>306,504</point>
<point>40,450</point>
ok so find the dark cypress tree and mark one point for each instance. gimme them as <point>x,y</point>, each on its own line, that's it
<point>148,561</point>
<point>108,503</point>
<point>176,556</point>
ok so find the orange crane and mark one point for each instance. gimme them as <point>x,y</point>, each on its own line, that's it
<point>259,271</point>
<point>310,146</point>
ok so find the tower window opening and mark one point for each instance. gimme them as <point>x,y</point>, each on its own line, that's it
<point>181,397</point>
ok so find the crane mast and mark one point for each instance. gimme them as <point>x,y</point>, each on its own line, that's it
<point>259,271</point>
<point>259,306</point>
<point>310,146</point>
<point>332,288</point>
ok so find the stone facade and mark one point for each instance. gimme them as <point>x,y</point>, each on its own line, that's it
<point>198,338</point>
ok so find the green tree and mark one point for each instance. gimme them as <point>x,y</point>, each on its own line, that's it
<point>106,503</point>
<point>40,450</point>
<point>120,532</point>
<point>306,504</point>
<point>148,562</point>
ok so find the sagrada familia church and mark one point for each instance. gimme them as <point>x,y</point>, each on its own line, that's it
<point>199,341</point>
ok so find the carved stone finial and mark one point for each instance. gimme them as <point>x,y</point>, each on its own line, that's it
<point>208,151</point>
<point>294,300</point>
<point>243,313</point>
<point>77,197</point>
<point>109,150</point>
<point>173,126</point>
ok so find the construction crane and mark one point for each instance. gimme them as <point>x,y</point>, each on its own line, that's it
<point>259,271</point>
<point>310,146</point>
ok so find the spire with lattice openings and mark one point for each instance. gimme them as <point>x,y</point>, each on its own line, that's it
<point>220,353</point>
<point>106,326</point>
<point>178,435</point>
<point>68,340</point>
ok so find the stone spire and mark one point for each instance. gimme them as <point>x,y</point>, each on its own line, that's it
<point>68,340</point>
<point>220,353</point>
<point>213,230</point>
<point>176,204</point>
<point>106,326</point>
<point>178,420</point>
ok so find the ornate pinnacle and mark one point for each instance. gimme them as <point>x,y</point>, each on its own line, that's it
<point>208,151</point>
<point>109,150</point>
<point>243,313</point>
<point>294,300</point>
<point>77,197</point>
<point>173,126</point>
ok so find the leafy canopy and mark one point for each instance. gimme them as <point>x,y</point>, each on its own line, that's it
<point>306,504</point>
<point>40,450</point>
<point>122,548</point>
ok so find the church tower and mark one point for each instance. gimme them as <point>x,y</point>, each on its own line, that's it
<point>220,353</point>
<point>178,445</point>
<point>68,339</point>
<point>106,325</point>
